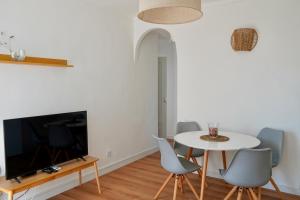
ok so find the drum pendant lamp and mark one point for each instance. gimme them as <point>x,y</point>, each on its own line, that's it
<point>169,11</point>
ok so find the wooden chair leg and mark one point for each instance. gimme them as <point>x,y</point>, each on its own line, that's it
<point>231,192</point>
<point>163,186</point>
<point>253,194</point>
<point>181,184</point>
<point>189,154</point>
<point>240,194</point>
<point>175,187</point>
<point>259,193</point>
<point>199,171</point>
<point>191,187</point>
<point>249,194</point>
<point>276,188</point>
<point>194,160</point>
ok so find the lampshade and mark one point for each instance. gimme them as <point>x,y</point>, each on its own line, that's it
<point>169,11</point>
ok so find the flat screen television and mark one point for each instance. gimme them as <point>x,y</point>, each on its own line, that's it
<point>35,143</point>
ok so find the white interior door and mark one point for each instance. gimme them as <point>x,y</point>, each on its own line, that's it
<point>162,97</point>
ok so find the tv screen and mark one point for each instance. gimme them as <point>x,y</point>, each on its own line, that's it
<point>35,143</point>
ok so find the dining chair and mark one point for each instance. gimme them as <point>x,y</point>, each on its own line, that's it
<point>183,150</point>
<point>273,139</point>
<point>177,166</point>
<point>249,169</point>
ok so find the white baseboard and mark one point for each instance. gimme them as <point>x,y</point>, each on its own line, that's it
<point>116,165</point>
<point>61,185</point>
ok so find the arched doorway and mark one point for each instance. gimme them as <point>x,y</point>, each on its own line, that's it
<point>156,51</point>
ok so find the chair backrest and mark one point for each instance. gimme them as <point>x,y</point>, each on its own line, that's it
<point>273,139</point>
<point>187,127</point>
<point>250,168</point>
<point>169,160</point>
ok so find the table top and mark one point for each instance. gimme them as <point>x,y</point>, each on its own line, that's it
<point>236,141</point>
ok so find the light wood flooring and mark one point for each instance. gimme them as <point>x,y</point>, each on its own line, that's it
<point>141,180</point>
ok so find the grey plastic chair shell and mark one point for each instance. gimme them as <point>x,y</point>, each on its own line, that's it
<point>249,168</point>
<point>182,149</point>
<point>187,127</point>
<point>170,161</point>
<point>273,139</point>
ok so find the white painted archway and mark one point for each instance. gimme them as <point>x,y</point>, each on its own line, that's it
<point>154,44</point>
<point>141,37</point>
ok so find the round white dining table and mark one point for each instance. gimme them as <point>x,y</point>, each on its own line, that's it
<point>236,141</point>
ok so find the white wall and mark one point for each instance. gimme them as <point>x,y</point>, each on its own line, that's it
<point>167,48</point>
<point>146,75</point>
<point>98,40</point>
<point>151,46</point>
<point>243,91</point>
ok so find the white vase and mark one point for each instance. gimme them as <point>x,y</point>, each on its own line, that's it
<point>18,55</point>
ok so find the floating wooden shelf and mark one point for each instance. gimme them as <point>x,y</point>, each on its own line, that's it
<point>4,58</point>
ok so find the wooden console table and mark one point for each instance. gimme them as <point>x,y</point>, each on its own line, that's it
<point>11,187</point>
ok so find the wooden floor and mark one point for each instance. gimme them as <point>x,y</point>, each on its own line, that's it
<point>141,180</point>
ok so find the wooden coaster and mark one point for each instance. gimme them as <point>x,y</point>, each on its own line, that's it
<point>220,138</point>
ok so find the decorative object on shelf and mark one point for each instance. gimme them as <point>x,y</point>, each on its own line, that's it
<point>244,39</point>
<point>6,42</point>
<point>169,11</point>
<point>18,55</point>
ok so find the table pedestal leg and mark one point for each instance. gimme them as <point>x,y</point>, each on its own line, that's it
<point>205,163</point>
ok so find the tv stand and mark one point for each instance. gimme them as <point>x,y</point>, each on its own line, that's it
<point>74,166</point>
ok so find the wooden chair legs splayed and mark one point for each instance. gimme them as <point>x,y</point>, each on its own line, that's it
<point>249,169</point>
<point>199,171</point>
<point>184,151</point>
<point>177,181</point>
<point>273,139</point>
<point>251,194</point>
<point>276,188</point>
<point>177,166</point>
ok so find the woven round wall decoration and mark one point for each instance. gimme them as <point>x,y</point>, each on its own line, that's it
<point>244,39</point>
